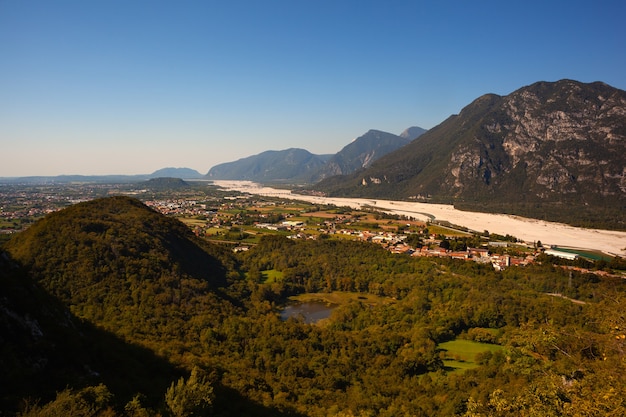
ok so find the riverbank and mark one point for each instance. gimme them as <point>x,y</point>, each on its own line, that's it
<point>526,229</point>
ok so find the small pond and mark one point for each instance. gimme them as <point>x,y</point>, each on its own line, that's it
<point>311,312</point>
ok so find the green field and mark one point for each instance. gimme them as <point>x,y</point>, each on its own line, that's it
<point>271,275</point>
<point>459,354</point>
<point>446,231</point>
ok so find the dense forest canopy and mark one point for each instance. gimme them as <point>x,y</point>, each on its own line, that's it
<point>169,324</point>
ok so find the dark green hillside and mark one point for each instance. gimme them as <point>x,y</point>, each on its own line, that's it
<point>126,268</point>
<point>31,324</point>
<point>45,349</point>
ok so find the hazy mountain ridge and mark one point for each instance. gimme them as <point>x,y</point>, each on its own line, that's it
<point>559,144</point>
<point>412,133</point>
<point>286,164</point>
<point>300,165</point>
<point>182,173</point>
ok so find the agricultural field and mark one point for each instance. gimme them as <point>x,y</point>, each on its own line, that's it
<point>460,355</point>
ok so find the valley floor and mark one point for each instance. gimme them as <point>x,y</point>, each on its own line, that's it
<point>529,230</point>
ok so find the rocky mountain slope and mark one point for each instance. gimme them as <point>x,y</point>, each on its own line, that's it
<point>545,149</point>
<point>299,165</point>
<point>362,152</point>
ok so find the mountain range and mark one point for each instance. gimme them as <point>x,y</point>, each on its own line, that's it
<point>270,166</point>
<point>182,173</point>
<point>549,150</point>
<point>299,165</point>
<point>364,150</point>
<point>552,150</point>
<point>110,294</point>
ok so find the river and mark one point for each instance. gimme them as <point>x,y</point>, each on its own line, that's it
<point>529,230</point>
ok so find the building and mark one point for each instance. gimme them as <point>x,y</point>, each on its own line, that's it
<point>561,254</point>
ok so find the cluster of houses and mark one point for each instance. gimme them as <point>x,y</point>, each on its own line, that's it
<point>480,255</point>
<point>180,207</point>
<point>395,243</point>
<point>286,225</point>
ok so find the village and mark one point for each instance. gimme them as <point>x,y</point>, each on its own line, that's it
<point>242,220</point>
<point>432,245</point>
<point>503,253</point>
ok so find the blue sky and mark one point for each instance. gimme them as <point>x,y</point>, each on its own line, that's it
<point>129,87</point>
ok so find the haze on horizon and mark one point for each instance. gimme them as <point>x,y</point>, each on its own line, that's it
<point>116,87</point>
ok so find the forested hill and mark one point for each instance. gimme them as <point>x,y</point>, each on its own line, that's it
<point>45,349</point>
<point>107,291</point>
<point>118,262</point>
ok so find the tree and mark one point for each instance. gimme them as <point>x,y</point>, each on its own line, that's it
<point>191,397</point>
<point>88,402</point>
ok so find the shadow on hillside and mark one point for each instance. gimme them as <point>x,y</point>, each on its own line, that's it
<point>229,402</point>
<point>130,369</point>
<point>196,262</point>
<point>45,349</point>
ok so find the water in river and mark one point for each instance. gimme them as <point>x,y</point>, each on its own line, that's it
<point>311,312</point>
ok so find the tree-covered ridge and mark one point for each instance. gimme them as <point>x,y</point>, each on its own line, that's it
<point>44,349</point>
<point>124,267</point>
<point>187,302</point>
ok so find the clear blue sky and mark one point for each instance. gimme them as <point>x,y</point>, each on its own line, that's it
<point>128,87</point>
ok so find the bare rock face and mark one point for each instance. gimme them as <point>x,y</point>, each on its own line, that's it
<point>573,137</point>
<point>557,138</point>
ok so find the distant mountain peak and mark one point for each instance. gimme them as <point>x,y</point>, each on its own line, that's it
<point>412,132</point>
<point>299,165</point>
<point>361,153</point>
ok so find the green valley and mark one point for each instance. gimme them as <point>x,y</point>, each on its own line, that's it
<point>111,308</point>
